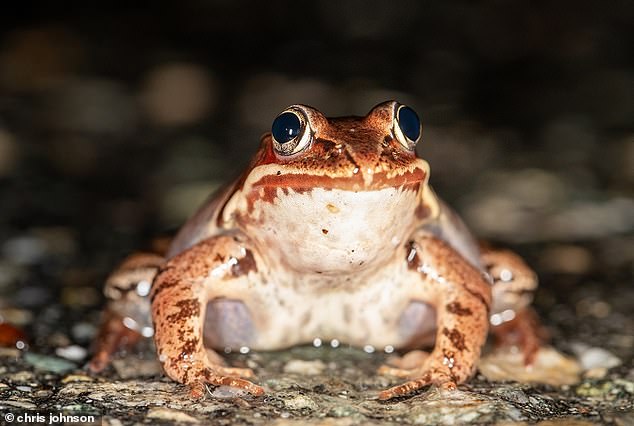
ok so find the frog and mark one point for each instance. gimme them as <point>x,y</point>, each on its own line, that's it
<point>332,233</point>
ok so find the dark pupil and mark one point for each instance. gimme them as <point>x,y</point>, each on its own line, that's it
<point>409,123</point>
<point>286,127</point>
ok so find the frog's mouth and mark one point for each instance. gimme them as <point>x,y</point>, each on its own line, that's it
<point>354,180</point>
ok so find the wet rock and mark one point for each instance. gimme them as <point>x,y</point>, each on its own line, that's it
<point>550,367</point>
<point>512,393</point>
<point>166,414</point>
<point>460,407</point>
<point>49,363</point>
<point>76,378</point>
<point>23,404</point>
<point>132,367</point>
<point>24,377</point>
<point>299,402</point>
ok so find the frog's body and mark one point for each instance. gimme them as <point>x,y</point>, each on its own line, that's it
<point>332,233</point>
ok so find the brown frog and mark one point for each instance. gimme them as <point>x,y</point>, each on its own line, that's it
<point>332,233</point>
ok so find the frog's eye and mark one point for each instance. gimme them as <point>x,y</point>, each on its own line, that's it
<point>407,127</point>
<point>291,132</point>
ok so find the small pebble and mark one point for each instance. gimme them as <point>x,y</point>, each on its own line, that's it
<point>593,357</point>
<point>76,378</point>
<point>300,402</point>
<point>169,415</point>
<point>73,352</point>
<point>49,363</point>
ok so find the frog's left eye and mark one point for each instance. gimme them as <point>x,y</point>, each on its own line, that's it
<point>291,132</point>
<point>407,127</point>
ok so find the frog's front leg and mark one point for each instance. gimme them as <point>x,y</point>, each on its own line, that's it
<point>462,297</point>
<point>219,267</point>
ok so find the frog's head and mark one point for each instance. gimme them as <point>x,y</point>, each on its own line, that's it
<point>332,193</point>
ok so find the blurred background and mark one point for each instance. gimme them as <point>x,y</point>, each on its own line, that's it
<point>117,121</point>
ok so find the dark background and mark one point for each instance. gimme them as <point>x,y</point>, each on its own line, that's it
<point>116,121</point>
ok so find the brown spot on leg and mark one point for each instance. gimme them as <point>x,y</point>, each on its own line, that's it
<point>456,337</point>
<point>457,309</point>
<point>187,308</point>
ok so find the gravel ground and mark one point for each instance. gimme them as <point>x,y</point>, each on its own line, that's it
<point>116,122</point>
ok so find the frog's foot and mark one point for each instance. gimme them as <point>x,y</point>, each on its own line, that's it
<point>524,331</point>
<point>430,374</point>
<point>462,298</point>
<point>216,268</point>
<point>113,336</point>
<point>197,375</point>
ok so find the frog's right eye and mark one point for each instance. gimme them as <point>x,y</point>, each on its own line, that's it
<point>291,132</point>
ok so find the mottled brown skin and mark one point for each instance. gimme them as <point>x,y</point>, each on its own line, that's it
<point>466,299</point>
<point>177,307</point>
<point>304,241</point>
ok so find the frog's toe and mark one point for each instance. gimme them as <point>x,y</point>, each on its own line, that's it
<point>213,378</point>
<point>404,389</point>
<point>198,386</point>
<point>438,378</point>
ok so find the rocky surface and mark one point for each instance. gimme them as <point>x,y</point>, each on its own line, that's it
<point>115,122</point>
